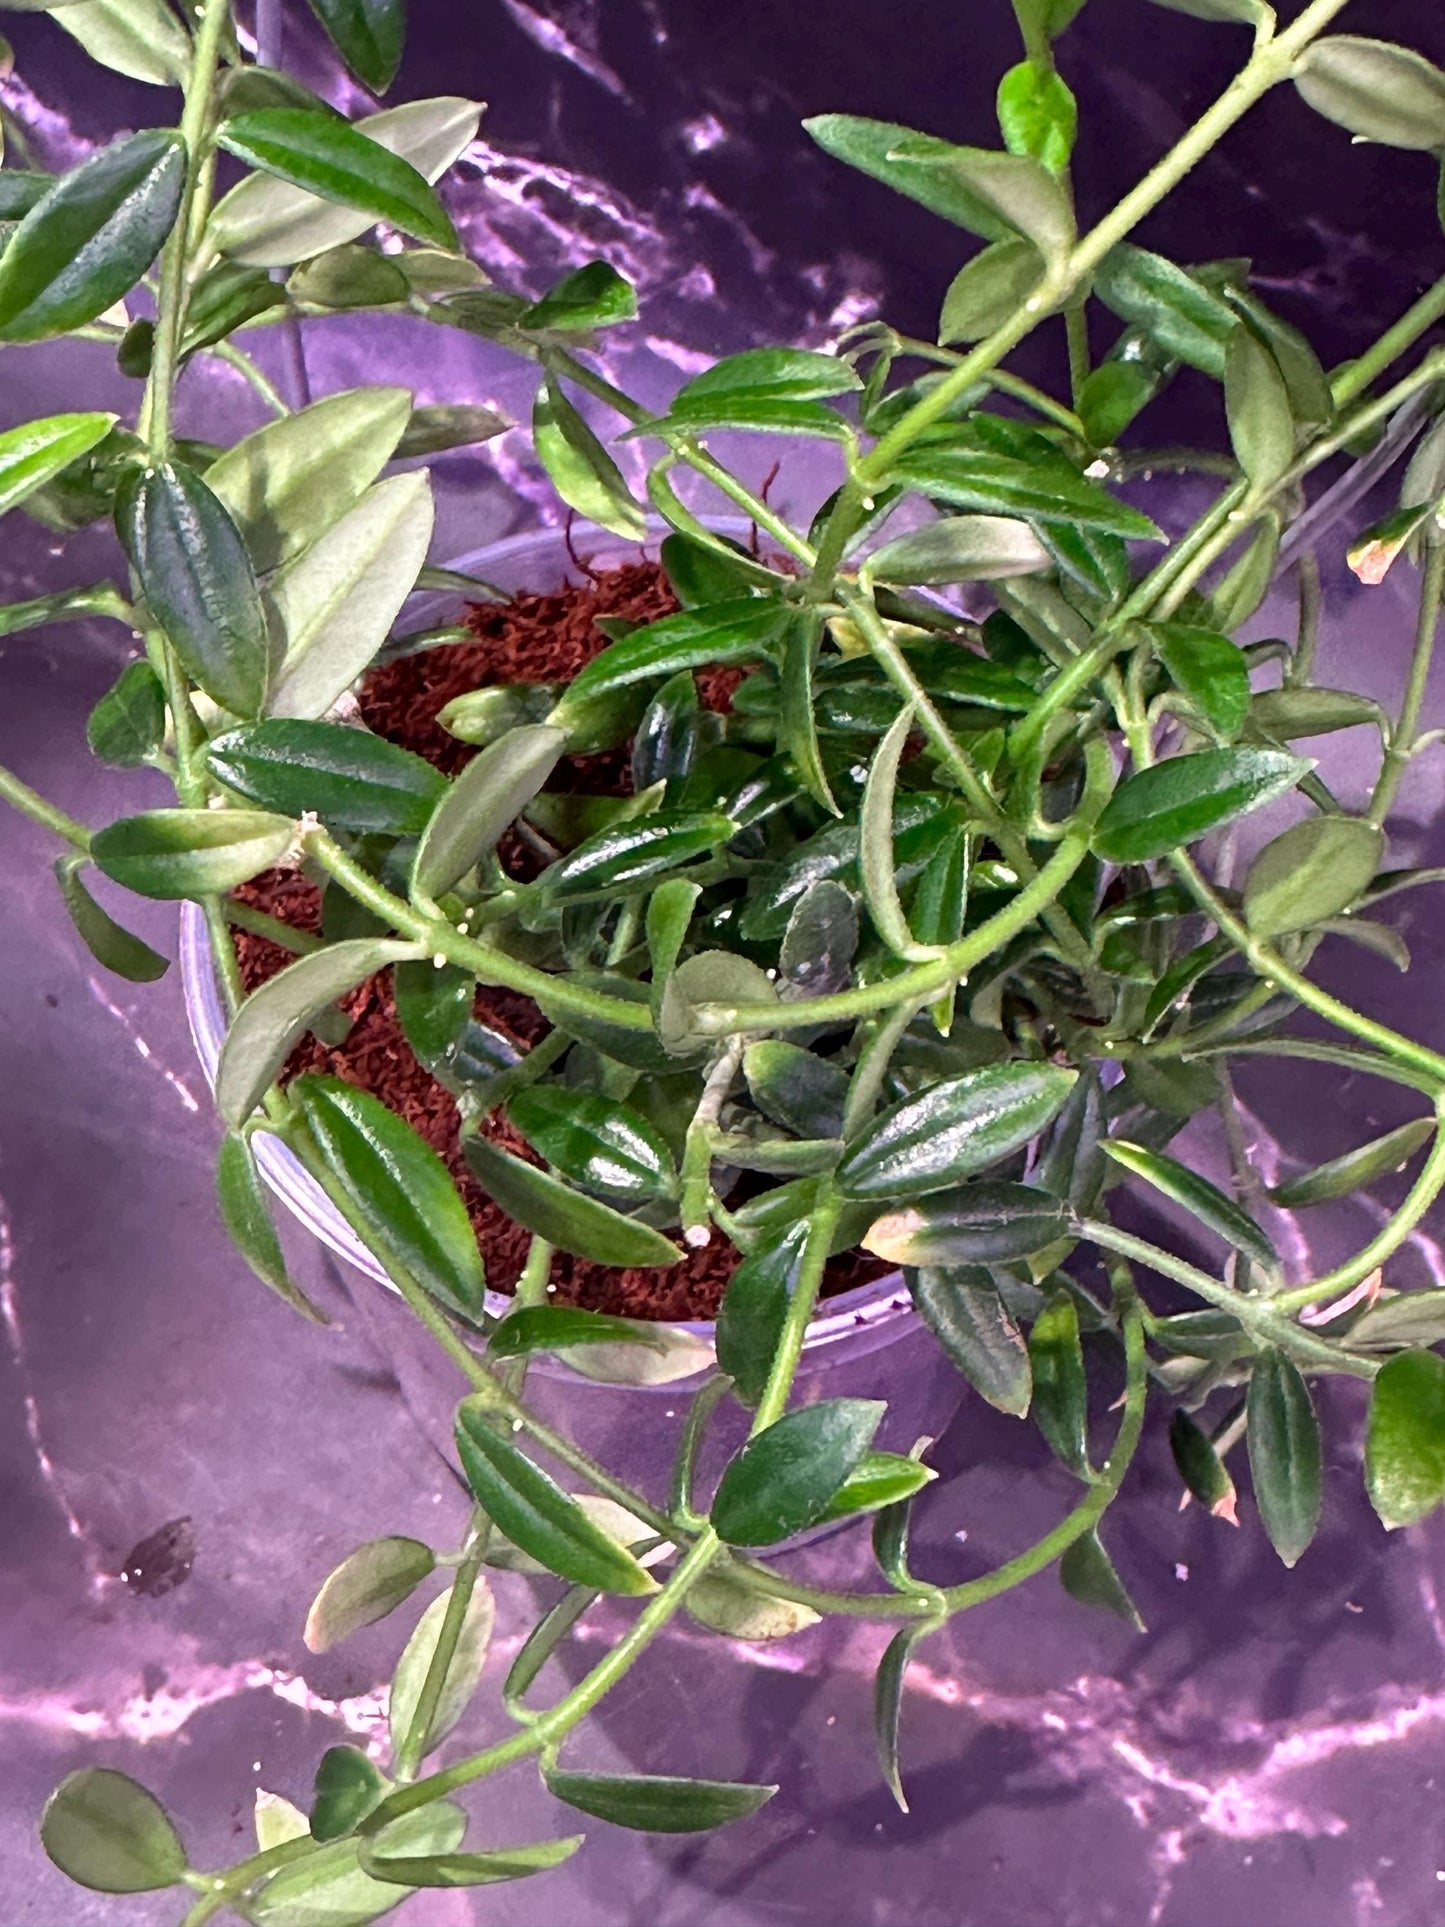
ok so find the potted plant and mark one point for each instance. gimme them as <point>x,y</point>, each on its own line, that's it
<point>864,899</point>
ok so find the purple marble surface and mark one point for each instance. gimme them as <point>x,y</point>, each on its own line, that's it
<point>1268,1754</point>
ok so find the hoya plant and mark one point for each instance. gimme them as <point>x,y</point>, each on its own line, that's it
<point>920,944</point>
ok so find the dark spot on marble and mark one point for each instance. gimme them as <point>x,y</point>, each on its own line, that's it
<point>161,1561</point>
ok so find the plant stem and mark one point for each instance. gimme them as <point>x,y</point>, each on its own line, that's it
<point>245,916</point>
<point>244,366</point>
<point>459,1599</point>
<point>30,803</point>
<point>1401,746</point>
<point>1356,376</point>
<point>822,1222</point>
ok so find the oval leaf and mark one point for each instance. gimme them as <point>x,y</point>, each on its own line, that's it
<point>329,1889</point>
<point>566,1218</point>
<point>725,1606</point>
<point>1176,802</point>
<point>1200,1198</point>
<point>785,1476</point>
<point>953,1129</point>
<point>803,1093</point>
<point>348,1787</point>
<point>754,1308</point>
<point>1405,1443</point>
<point>1284,1454</point>
<point>961,548</point>
<point>112,946</point>
<point>128,724</point>
<point>581,470</point>
<point>338,162</point>
<point>726,632</point>
<point>368,1584</point>
<point>1256,403</point>
<point>108,1833</point>
<point>595,1141</point>
<point>347,777</point>
<point>551,1328</point>
<point>464,1670</point>
<point>190,853</point>
<point>1341,1177</point>
<point>1314,870</point>
<point>1380,92</point>
<point>368,34</point>
<point>247,1218</point>
<point>981,1223</point>
<point>488,796</point>
<point>962,1307</point>
<point>652,1803</point>
<point>469,1869</point>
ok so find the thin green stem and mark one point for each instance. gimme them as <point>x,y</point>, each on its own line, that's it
<point>822,1223</point>
<point>413,1745</point>
<point>1301,664</point>
<point>1356,376</point>
<point>31,803</point>
<point>245,916</point>
<point>244,366</point>
<point>1401,746</point>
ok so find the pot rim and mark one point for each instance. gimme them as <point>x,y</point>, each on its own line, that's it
<point>881,1302</point>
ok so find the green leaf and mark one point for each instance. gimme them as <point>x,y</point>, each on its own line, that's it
<point>1087,1574</point>
<point>1306,383</point>
<point>797,708</point>
<point>347,777</point>
<point>368,34</point>
<point>953,1129</point>
<point>1212,671</point>
<point>638,848</point>
<point>1189,321</point>
<point>464,1670</point>
<point>595,1141</point>
<point>875,839</point>
<point>141,39</point>
<point>1405,1441</point>
<point>274,1017</point>
<point>961,548</point>
<point>1284,1454</point>
<point>1005,485</point>
<point>330,158</point>
<point>653,1803</point>
<point>247,1218</point>
<point>20,189</point>
<point>988,290</point>
<point>669,915</point>
<point>1291,713</point>
<point>566,1218</point>
<point>820,940</point>
<point>978,1224</point>
<point>106,1832</point>
<point>803,1093</point>
<point>726,632</point>
<point>962,1307</point>
<point>665,743</point>
<point>398,1195</point>
<point>537,1515</point>
<point>442,425</point>
<point>1242,12</point>
<point>196,577</point>
<point>1060,1406</point>
<point>488,796</point>
<point>1178,801</point>
<point>727,1606</point>
<point>1037,114</point>
<point>1400,1318</point>
<point>1314,870</point>
<point>1200,1198</point>
<point>328,1889</point>
<point>580,468</point>
<point>368,1584</point>
<point>552,1328</point>
<point>277,1820</point>
<point>1358,1169</point>
<point>592,296</point>
<point>879,1479</point>
<point>348,1787</point>
<point>1115,392</point>
<point>1201,1468</point>
<point>888,1705</point>
<point>111,945</point>
<point>1378,91</point>
<point>271,223</point>
<point>784,1477</point>
<point>1256,402</point>
<point>226,297</point>
<point>709,977</point>
<point>291,480</point>
<point>190,853</point>
<point>336,602</point>
<point>753,1310</point>
<point>88,241</point>
<point>36,452</point>
<point>779,374</point>
<point>876,148</point>
<point>469,1869</point>
<point>1014,189</point>
<point>1247,584</point>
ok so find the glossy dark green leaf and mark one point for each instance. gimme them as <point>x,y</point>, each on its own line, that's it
<point>820,940</point>
<point>1087,1574</point>
<point>1257,404</point>
<point>785,1476</point>
<point>20,189</point>
<point>106,1832</point>
<point>1115,392</point>
<point>803,1093</point>
<point>247,1218</point>
<point>368,1584</point>
<point>754,1307</point>
<point>1197,1196</point>
<point>107,941</point>
<point>654,1803</point>
<point>962,1307</point>
<point>1284,1454</point>
<point>469,1869</point>
<point>368,34</point>
<point>1177,801</point>
<point>879,1479</point>
<point>1405,1441</point>
<point>1379,91</point>
<point>669,915</point>
<point>398,1194</point>
<point>328,1888</point>
<point>1291,713</point>
<point>665,745</point>
<point>642,847</point>
<point>888,1706</point>
<point>948,1132</point>
<point>1188,320</point>
<point>463,1673</point>
<point>592,296</point>
<point>537,1515</point>
<point>1005,485</point>
<point>88,240</point>
<point>332,159</point>
<point>989,289</point>
<point>348,1787</point>
<point>781,374</point>
<point>190,853</point>
<point>552,1328</point>
<point>595,1141</point>
<point>1341,1177</point>
<point>1071,1163</point>
<point>349,778</point>
<point>726,632</point>
<point>1201,1468</point>
<point>1312,871</point>
<point>978,1224</point>
<point>1212,671</point>
<point>566,1218</point>
<point>1037,114</point>
<point>1060,1406</point>
<point>226,297</point>
<point>488,796</point>
<point>580,468</point>
<point>701,573</point>
<point>275,1016</point>
<point>197,579</point>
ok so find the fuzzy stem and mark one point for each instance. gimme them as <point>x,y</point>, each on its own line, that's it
<point>30,803</point>
<point>1401,746</point>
